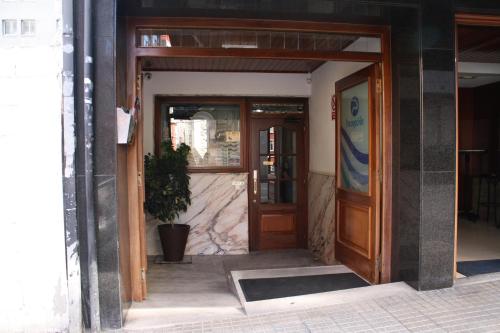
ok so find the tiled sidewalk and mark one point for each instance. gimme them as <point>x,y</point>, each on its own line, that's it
<point>467,307</point>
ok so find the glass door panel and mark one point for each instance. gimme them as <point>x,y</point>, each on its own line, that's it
<point>288,167</point>
<point>287,139</point>
<point>355,138</point>
<point>277,165</point>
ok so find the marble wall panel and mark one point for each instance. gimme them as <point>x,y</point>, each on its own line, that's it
<point>321,203</point>
<point>218,216</point>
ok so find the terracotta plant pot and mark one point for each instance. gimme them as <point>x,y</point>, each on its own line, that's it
<point>173,239</point>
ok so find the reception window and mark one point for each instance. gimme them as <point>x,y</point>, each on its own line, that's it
<point>212,128</point>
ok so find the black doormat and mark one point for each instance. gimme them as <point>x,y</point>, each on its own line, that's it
<point>269,288</point>
<point>470,268</point>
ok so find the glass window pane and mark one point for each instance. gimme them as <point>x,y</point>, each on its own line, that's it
<point>364,44</point>
<point>9,27</point>
<point>277,40</point>
<point>268,192</point>
<point>264,142</point>
<point>291,40</point>
<point>264,192</point>
<point>354,138</point>
<point>272,140</point>
<point>288,192</point>
<point>267,167</point>
<point>278,108</point>
<point>27,27</point>
<point>256,39</point>
<point>288,167</point>
<point>274,192</point>
<point>211,130</point>
<point>287,140</point>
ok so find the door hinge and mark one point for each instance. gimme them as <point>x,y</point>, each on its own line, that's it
<point>379,86</point>
<point>139,179</point>
<point>380,175</point>
<point>143,274</point>
<point>378,264</point>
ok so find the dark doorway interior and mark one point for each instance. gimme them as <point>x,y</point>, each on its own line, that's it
<point>479,123</point>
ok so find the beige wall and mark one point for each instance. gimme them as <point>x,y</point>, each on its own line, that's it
<point>321,125</point>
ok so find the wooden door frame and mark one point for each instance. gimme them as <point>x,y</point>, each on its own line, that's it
<point>470,20</point>
<point>135,180</point>
<point>134,54</point>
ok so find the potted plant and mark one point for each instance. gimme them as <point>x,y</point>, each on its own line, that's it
<point>168,194</point>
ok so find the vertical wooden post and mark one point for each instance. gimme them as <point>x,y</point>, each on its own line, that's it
<point>135,178</point>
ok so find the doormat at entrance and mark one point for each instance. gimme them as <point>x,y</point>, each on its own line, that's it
<point>470,268</point>
<point>269,288</point>
<point>185,260</point>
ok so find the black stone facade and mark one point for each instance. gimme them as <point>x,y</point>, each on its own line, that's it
<point>424,118</point>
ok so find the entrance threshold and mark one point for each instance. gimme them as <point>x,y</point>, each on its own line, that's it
<point>353,288</point>
<point>204,290</point>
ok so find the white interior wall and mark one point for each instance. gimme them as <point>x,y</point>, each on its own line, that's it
<point>216,84</point>
<point>321,125</point>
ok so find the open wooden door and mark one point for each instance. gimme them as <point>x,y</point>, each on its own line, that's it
<point>358,164</point>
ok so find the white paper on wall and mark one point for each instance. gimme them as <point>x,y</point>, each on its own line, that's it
<point>125,125</point>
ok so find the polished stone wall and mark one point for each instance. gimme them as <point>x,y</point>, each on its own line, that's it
<point>106,165</point>
<point>406,138</point>
<point>437,225</point>
<point>218,216</point>
<point>321,209</point>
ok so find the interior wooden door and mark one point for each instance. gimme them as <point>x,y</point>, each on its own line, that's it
<point>277,184</point>
<point>358,163</point>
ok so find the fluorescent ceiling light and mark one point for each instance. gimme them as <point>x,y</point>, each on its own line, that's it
<point>239,46</point>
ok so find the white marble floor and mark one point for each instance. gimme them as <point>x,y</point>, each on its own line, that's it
<point>478,241</point>
<point>182,293</point>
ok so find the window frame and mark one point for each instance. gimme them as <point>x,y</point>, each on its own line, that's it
<point>32,25</point>
<point>4,34</point>
<point>159,100</point>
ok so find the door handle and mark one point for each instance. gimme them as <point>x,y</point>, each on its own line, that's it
<point>255,182</point>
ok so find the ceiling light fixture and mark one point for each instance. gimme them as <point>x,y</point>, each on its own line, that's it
<point>467,77</point>
<point>239,46</point>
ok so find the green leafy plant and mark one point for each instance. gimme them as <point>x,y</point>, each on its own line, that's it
<point>167,182</point>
